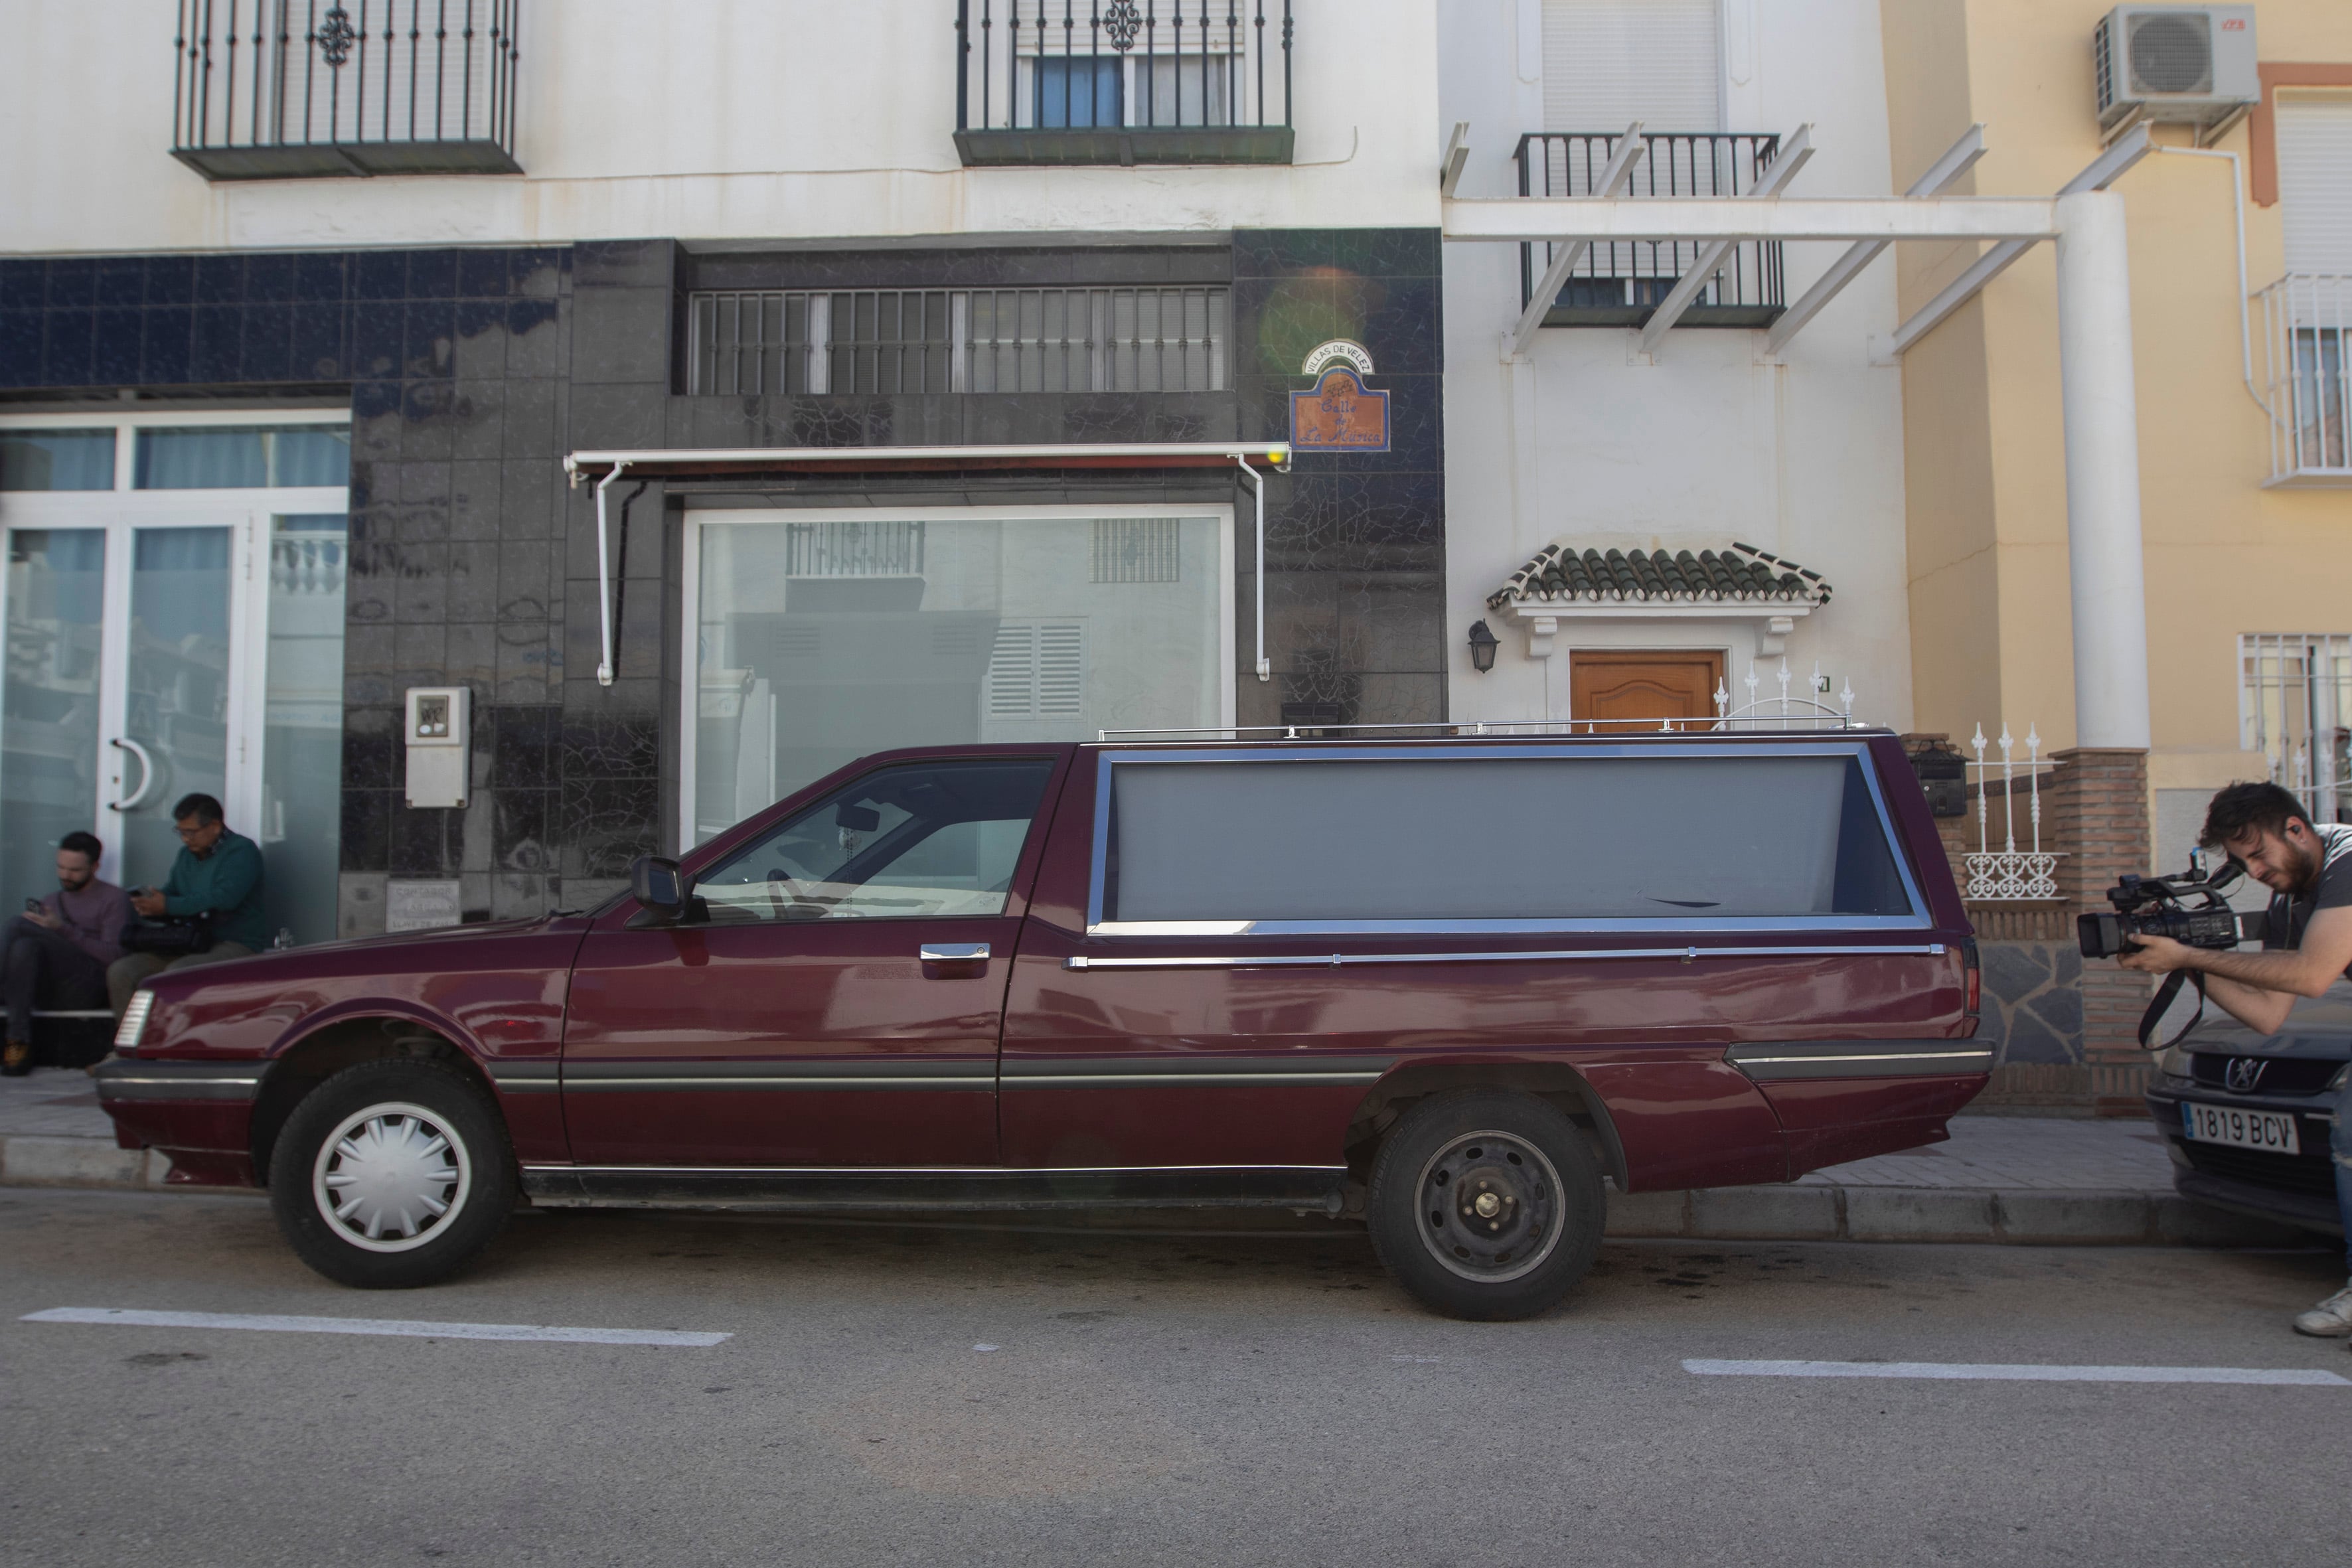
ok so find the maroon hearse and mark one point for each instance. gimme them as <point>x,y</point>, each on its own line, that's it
<point>1451,985</point>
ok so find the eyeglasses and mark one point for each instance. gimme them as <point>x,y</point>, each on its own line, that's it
<point>190,835</point>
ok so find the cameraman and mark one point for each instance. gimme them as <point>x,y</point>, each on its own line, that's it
<point>2307,944</point>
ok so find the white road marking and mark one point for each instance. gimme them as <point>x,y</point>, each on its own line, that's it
<point>1995,1371</point>
<point>397,1327</point>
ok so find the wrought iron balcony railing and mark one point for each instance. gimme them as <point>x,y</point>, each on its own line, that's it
<point>1618,285</point>
<point>2307,329</point>
<point>274,89</point>
<point>1123,81</point>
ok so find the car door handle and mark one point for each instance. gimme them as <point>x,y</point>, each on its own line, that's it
<point>955,952</point>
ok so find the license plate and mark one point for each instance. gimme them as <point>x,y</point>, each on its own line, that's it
<point>2269,1130</point>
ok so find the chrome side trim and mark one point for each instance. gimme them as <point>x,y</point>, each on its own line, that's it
<point>1686,954</point>
<point>816,1189</point>
<point>526,1078</point>
<point>1769,1060</point>
<point>811,1075</point>
<point>133,1078</point>
<point>1294,1071</point>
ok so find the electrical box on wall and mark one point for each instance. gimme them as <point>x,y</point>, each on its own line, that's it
<point>440,754</point>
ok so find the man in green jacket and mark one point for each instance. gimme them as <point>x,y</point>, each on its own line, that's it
<point>217,873</point>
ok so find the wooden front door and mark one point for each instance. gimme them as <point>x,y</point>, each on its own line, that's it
<point>1636,689</point>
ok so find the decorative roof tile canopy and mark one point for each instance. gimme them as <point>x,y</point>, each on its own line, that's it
<point>1739,583</point>
<point>1741,574</point>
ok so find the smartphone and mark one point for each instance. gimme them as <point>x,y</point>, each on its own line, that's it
<point>32,906</point>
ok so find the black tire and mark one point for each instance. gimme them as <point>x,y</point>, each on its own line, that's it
<point>400,1108</point>
<point>1486,1205</point>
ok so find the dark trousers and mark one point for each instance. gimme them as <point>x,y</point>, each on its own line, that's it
<point>42,968</point>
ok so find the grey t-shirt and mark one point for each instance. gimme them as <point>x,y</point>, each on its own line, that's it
<point>2333,889</point>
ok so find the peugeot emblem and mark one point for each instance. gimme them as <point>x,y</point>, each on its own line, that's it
<point>2244,1074</point>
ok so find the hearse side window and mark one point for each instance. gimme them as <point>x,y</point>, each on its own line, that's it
<point>926,838</point>
<point>1666,838</point>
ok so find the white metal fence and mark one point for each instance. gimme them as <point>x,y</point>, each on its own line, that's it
<point>2009,873</point>
<point>2295,706</point>
<point>2307,322</point>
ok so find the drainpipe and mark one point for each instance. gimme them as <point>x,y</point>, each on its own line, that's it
<point>604,580</point>
<point>1257,490</point>
<point>2245,328</point>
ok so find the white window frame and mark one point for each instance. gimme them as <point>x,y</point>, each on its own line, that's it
<point>690,595</point>
<point>245,512</point>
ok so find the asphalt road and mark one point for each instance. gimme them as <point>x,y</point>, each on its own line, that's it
<point>897,1396</point>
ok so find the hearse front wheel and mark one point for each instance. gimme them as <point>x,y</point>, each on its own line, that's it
<point>1486,1204</point>
<point>392,1175</point>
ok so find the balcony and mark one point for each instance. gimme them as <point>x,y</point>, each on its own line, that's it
<point>291,90</point>
<point>1619,285</point>
<point>2306,321</point>
<point>1123,81</point>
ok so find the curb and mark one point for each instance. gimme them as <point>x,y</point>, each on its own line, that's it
<point>27,1161</point>
<point>2013,1216</point>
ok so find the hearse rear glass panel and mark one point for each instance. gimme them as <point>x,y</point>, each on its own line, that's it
<point>1754,839</point>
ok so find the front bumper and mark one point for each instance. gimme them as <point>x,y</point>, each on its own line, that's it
<point>2299,1189</point>
<point>199,1114</point>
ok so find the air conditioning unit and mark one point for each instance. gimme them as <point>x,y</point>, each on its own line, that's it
<point>2177,65</point>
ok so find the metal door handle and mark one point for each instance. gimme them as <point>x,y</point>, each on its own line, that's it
<point>146,773</point>
<point>955,952</point>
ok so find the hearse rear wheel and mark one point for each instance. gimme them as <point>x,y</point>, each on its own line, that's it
<point>1486,1205</point>
<point>392,1175</point>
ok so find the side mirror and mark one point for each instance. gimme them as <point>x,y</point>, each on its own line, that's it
<point>660,886</point>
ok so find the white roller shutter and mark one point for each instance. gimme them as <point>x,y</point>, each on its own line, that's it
<point>1610,62</point>
<point>2315,165</point>
<point>1037,671</point>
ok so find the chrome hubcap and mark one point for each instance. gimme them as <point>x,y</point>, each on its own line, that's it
<point>1489,1206</point>
<point>392,1178</point>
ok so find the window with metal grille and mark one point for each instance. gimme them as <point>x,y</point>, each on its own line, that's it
<point>2295,706</point>
<point>892,548</point>
<point>894,341</point>
<point>1137,550</point>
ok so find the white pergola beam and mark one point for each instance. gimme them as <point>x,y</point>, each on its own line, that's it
<point>1613,182</point>
<point>1957,161</point>
<point>2103,172</point>
<point>1601,220</point>
<point>1791,158</point>
<point>1457,154</point>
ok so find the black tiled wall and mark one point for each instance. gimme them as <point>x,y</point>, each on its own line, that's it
<point>471,373</point>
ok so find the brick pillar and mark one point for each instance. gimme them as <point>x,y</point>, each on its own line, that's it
<point>2097,808</point>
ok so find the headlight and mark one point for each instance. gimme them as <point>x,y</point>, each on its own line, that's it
<point>134,1019</point>
<point>2172,1061</point>
<point>2343,1075</point>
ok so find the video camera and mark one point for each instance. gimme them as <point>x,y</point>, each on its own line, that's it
<point>2159,906</point>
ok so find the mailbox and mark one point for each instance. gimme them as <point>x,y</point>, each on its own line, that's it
<point>440,751</point>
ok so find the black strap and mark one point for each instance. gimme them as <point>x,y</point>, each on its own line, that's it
<point>2165,996</point>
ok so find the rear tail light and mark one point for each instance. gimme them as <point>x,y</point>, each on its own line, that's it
<point>134,1019</point>
<point>1975,980</point>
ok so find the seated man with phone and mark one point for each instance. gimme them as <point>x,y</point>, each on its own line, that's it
<point>208,909</point>
<point>55,954</point>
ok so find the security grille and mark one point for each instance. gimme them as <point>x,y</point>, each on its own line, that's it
<point>906,341</point>
<point>1137,550</point>
<point>1037,671</point>
<point>891,549</point>
<point>2295,706</point>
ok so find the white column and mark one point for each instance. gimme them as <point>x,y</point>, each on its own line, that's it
<point>2103,538</point>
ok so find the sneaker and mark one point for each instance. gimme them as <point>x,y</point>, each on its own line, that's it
<point>2331,1320</point>
<point>17,1059</point>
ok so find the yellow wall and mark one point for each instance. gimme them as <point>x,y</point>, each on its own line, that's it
<point>1984,450</point>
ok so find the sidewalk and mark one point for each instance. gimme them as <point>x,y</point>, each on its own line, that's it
<point>2035,1180</point>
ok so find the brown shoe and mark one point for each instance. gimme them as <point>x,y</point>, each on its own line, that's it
<point>17,1059</point>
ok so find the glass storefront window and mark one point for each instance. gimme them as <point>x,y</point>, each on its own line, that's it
<point>58,460</point>
<point>300,831</point>
<point>254,456</point>
<point>49,705</point>
<point>820,641</point>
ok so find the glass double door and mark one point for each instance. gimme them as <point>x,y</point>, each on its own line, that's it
<point>153,655</point>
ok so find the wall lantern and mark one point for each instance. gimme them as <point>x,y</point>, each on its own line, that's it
<point>1481,647</point>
